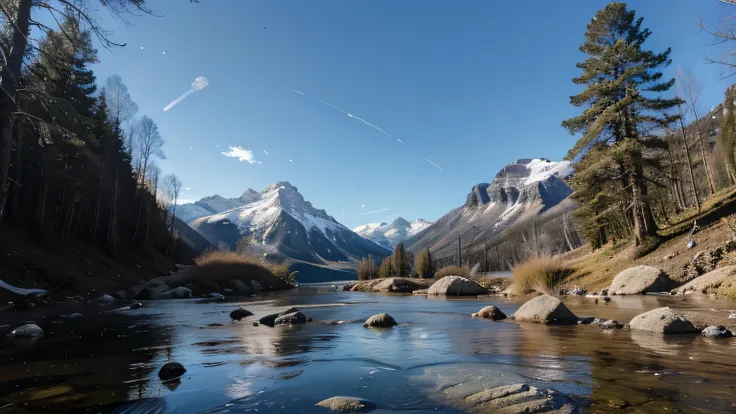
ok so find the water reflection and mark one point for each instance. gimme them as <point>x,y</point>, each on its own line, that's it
<point>435,355</point>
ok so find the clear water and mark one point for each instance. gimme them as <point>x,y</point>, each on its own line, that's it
<point>100,364</point>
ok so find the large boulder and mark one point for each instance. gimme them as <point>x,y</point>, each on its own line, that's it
<point>240,313</point>
<point>490,312</point>
<point>456,286</point>
<point>177,293</point>
<point>545,309</point>
<point>663,321</point>
<point>396,285</point>
<point>152,290</point>
<point>721,281</point>
<point>520,398</point>
<point>638,280</point>
<point>380,320</point>
<point>347,404</point>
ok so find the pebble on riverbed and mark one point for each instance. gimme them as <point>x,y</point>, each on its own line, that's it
<point>716,332</point>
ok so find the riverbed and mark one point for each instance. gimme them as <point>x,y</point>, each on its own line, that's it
<point>109,363</point>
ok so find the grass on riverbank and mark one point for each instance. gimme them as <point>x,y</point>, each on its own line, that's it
<point>223,266</point>
<point>452,271</point>
<point>543,274</point>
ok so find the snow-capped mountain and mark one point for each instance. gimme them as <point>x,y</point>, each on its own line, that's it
<point>281,222</point>
<point>389,235</point>
<point>214,204</point>
<point>523,189</point>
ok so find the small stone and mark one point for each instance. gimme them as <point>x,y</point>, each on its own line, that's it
<point>171,370</point>
<point>347,404</point>
<point>611,324</point>
<point>716,332</point>
<point>380,320</point>
<point>136,305</point>
<point>490,312</point>
<point>240,313</point>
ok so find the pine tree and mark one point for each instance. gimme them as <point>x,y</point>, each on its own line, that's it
<point>387,268</point>
<point>424,265</point>
<point>401,264</point>
<point>617,122</point>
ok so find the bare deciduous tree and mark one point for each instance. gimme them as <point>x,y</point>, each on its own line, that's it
<point>172,188</point>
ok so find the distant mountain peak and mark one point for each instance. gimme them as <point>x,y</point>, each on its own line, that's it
<point>389,235</point>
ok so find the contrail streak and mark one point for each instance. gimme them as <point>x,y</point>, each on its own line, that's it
<point>199,83</point>
<point>400,140</point>
<point>376,211</point>
<point>428,160</point>
<point>357,118</point>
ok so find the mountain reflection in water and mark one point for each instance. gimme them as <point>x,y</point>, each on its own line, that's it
<point>436,354</point>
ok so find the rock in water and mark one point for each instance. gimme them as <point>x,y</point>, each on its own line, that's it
<point>136,305</point>
<point>545,309</point>
<point>270,320</point>
<point>661,320</point>
<point>490,312</point>
<point>611,324</point>
<point>347,404</point>
<point>640,279</point>
<point>177,293</point>
<point>214,296</point>
<point>380,320</point>
<point>240,313</point>
<point>455,286</point>
<point>520,398</point>
<point>171,370</point>
<point>102,300</point>
<point>716,332</point>
<point>291,318</point>
<point>29,330</point>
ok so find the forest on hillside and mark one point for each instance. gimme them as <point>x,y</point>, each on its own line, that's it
<point>77,161</point>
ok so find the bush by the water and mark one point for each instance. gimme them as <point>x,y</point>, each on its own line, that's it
<point>452,271</point>
<point>423,264</point>
<point>542,274</point>
<point>226,265</point>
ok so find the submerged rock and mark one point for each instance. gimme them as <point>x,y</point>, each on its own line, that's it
<point>640,279</point>
<point>545,309</point>
<point>102,300</point>
<point>136,305</point>
<point>455,286</point>
<point>520,398</point>
<point>270,320</point>
<point>291,318</point>
<point>380,320</point>
<point>177,293</point>
<point>716,332</point>
<point>240,313</point>
<point>611,324</point>
<point>214,296</point>
<point>490,312</point>
<point>171,370</point>
<point>661,320</point>
<point>29,330</point>
<point>347,404</point>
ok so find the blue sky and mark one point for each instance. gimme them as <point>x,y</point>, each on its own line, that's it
<point>471,86</point>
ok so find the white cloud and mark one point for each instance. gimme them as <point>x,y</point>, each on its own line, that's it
<point>290,160</point>
<point>265,152</point>
<point>362,206</point>
<point>188,189</point>
<point>242,154</point>
<point>199,83</point>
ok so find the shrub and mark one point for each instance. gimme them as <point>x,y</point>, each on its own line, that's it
<point>543,274</point>
<point>227,265</point>
<point>452,270</point>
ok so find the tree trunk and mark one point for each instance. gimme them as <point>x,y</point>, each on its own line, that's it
<point>706,164</point>
<point>9,82</point>
<point>15,209</point>
<point>689,161</point>
<point>113,224</point>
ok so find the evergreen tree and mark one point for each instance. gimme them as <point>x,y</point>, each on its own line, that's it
<point>401,262</point>
<point>617,123</point>
<point>424,265</point>
<point>387,268</point>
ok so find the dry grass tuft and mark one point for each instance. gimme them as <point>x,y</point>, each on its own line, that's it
<point>544,274</point>
<point>223,265</point>
<point>452,271</point>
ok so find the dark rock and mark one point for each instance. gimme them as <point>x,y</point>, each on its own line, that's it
<point>240,313</point>
<point>28,330</point>
<point>291,318</point>
<point>490,312</point>
<point>177,293</point>
<point>347,404</point>
<point>214,296</point>
<point>611,324</point>
<point>171,370</point>
<point>380,320</point>
<point>102,300</point>
<point>270,320</point>
<point>586,320</point>
<point>136,305</point>
<point>716,332</point>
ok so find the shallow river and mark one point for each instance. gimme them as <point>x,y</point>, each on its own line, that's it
<point>102,365</point>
